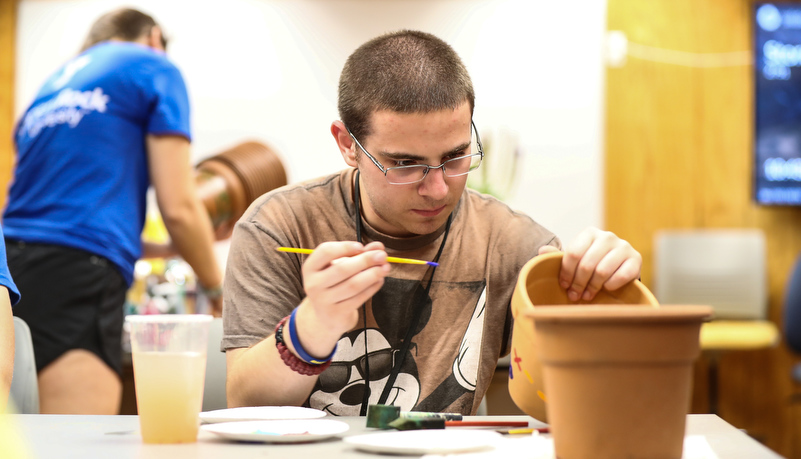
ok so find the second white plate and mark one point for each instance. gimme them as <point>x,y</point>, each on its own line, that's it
<point>283,431</point>
<point>260,413</point>
<point>417,442</point>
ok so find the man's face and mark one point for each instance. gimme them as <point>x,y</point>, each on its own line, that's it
<point>399,139</point>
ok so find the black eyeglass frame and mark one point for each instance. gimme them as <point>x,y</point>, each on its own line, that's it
<point>385,170</point>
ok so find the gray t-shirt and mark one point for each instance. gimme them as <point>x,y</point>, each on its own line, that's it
<point>460,334</point>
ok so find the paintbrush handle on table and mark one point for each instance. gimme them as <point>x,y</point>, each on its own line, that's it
<point>486,423</point>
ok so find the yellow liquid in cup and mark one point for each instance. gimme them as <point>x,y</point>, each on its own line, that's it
<point>169,394</point>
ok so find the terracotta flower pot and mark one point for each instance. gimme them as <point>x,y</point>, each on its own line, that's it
<point>617,376</point>
<point>538,285</point>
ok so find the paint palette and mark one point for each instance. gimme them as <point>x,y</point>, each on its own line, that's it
<point>284,431</point>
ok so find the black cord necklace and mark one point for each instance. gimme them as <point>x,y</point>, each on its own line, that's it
<point>415,318</point>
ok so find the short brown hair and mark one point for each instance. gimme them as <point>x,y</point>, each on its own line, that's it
<point>125,24</point>
<point>406,72</point>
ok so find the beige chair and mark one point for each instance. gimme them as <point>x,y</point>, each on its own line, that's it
<point>723,268</point>
<point>214,389</point>
<point>24,385</point>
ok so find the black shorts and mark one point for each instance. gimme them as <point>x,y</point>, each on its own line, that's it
<point>71,299</point>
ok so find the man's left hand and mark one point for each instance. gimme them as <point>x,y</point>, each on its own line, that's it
<point>594,260</point>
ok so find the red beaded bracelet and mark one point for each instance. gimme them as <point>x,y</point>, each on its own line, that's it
<point>291,360</point>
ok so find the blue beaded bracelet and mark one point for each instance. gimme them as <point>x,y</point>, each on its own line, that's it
<point>293,336</point>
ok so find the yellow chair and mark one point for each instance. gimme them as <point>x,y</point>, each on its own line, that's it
<point>723,268</point>
<point>734,335</point>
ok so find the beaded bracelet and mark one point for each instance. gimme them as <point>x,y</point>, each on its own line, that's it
<point>291,360</point>
<point>293,336</point>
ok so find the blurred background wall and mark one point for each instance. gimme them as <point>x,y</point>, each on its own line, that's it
<point>268,70</point>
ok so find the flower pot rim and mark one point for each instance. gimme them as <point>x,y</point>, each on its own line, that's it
<point>618,313</point>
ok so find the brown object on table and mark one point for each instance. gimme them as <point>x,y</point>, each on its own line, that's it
<point>229,182</point>
<point>538,285</point>
<point>617,375</point>
<point>618,378</point>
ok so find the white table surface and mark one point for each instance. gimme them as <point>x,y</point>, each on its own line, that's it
<point>117,437</point>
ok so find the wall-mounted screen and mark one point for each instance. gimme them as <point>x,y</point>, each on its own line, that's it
<point>777,65</point>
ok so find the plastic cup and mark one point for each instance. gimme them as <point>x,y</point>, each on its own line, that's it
<point>169,362</point>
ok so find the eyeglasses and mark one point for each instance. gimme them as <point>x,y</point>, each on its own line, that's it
<point>454,167</point>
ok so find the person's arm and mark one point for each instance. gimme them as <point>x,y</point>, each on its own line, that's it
<point>184,215</point>
<point>6,348</point>
<point>338,278</point>
<point>594,260</point>
<point>156,250</point>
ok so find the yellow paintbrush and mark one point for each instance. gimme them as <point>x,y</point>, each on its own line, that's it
<point>408,261</point>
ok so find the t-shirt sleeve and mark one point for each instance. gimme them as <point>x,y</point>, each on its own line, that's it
<point>262,285</point>
<point>521,240</point>
<point>170,103</point>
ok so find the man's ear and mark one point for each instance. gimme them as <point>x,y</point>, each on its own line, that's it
<point>154,39</point>
<point>347,147</point>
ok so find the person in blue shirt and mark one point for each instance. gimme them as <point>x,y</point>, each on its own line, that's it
<point>102,129</point>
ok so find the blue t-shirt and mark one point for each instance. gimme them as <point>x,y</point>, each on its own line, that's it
<point>82,168</point>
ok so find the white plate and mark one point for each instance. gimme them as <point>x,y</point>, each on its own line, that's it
<point>434,441</point>
<point>283,431</point>
<point>260,413</point>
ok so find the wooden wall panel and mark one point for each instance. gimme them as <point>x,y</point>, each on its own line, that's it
<point>678,155</point>
<point>8,20</point>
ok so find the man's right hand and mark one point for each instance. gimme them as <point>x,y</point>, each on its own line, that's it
<point>338,277</point>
